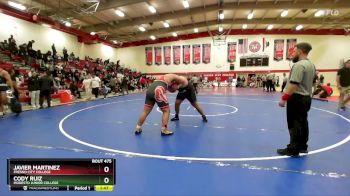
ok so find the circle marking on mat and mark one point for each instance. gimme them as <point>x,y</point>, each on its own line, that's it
<point>173,158</point>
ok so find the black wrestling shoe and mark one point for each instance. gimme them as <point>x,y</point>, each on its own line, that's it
<point>342,109</point>
<point>305,151</point>
<point>138,131</point>
<point>166,133</point>
<point>204,119</point>
<point>176,118</point>
<point>287,152</point>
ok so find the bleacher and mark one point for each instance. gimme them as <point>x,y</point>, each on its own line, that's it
<point>9,62</point>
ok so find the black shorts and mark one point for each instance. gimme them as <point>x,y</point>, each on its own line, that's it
<point>156,93</point>
<point>188,93</point>
<point>3,87</point>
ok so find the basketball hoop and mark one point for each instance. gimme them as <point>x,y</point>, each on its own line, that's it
<point>219,40</point>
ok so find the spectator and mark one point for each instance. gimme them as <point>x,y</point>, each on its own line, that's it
<point>87,86</point>
<point>54,54</point>
<point>125,86</point>
<point>30,45</point>
<point>65,55</point>
<point>73,87</point>
<point>23,50</point>
<point>143,82</point>
<point>264,82</point>
<point>343,84</point>
<point>13,47</point>
<point>95,84</point>
<point>323,91</point>
<point>321,79</point>
<point>39,58</point>
<point>284,83</point>
<point>4,45</point>
<point>195,80</point>
<point>32,54</point>
<point>105,90</point>
<point>54,51</point>
<point>277,81</point>
<point>316,80</point>
<point>270,84</point>
<point>11,39</point>
<point>112,84</point>
<point>243,81</point>
<point>71,57</point>
<point>46,85</point>
<point>34,90</point>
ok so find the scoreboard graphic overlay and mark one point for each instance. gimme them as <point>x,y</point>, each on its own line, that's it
<point>61,174</point>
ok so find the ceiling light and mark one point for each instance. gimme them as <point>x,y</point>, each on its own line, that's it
<point>166,25</point>
<point>195,30</point>
<point>174,34</point>
<point>270,27</point>
<point>68,24</point>
<point>299,27</point>
<point>93,33</point>
<point>185,4</point>
<point>284,13</point>
<point>152,9</point>
<point>142,29</point>
<point>244,26</point>
<point>221,15</point>
<point>17,5</point>
<point>250,16</point>
<point>153,37</point>
<point>119,13</point>
<point>221,29</point>
<point>320,13</point>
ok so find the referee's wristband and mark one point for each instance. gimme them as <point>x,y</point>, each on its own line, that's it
<point>285,96</point>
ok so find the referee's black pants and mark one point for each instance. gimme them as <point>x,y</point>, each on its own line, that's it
<point>297,109</point>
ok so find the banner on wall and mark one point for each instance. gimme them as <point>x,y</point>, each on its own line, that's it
<point>231,51</point>
<point>149,55</point>
<point>242,46</point>
<point>176,54</point>
<point>167,55</point>
<point>196,53</point>
<point>158,55</point>
<point>206,53</point>
<point>186,54</point>
<point>291,43</point>
<point>278,49</point>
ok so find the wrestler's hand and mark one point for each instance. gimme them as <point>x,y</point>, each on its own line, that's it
<point>282,103</point>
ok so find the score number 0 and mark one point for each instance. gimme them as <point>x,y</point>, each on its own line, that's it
<point>106,170</point>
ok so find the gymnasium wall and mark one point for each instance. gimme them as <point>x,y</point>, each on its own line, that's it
<point>327,53</point>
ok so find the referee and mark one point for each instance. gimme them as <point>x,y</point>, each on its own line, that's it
<point>297,96</point>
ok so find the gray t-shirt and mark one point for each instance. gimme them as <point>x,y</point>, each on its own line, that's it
<point>303,73</point>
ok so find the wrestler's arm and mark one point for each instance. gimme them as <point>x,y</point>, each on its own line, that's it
<point>7,76</point>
